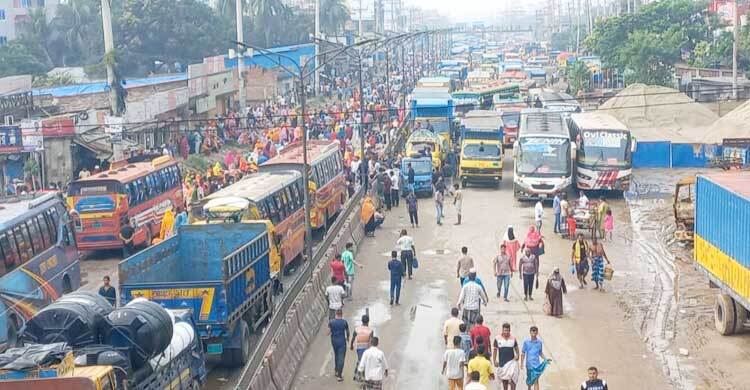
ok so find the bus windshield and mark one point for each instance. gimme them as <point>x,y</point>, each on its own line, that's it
<point>481,151</point>
<point>604,147</point>
<point>419,147</point>
<point>544,156</point>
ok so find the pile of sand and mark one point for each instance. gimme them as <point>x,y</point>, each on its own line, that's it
<point>655,113</point>
<point>735,124</point>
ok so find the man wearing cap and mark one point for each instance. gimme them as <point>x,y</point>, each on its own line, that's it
<point>471,298</point>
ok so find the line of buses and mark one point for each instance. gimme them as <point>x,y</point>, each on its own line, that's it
<point>40,236</point>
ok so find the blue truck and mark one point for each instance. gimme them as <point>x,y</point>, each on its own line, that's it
<point>221,271</point>
<point>422,175</point>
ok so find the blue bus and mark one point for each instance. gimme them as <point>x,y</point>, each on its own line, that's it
<point>38,259</point>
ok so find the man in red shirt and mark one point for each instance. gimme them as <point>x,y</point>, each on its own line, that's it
<point>480,330</point>
<point>337,269</point>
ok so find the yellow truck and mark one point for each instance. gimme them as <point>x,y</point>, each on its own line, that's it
<point>426,143</point>
<point>481,148</point>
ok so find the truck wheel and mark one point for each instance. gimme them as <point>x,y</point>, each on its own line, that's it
<point>237,357</point>
<point>725,315</point>
<point>743,320</point>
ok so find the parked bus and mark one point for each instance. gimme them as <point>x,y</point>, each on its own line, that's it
<point>139,191</point>
<point>327,181</point>
<point>38,259</point>
<point>275,198</point>
<point>542,154</point>
<point>604,157</point>
<point>559,101</point>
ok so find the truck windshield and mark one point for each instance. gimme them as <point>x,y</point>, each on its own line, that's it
<point>544,156</point>
<point>421,167</point>
<point>481,151</point>
<point>419,147</point>
<point>604,148</point>
<point>511,119</point>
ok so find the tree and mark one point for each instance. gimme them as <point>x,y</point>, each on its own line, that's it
<point>672,26</point>
<point>35,33</point>
<point>579,76</point>
<point>270,16</point>
<point>76,33</point>
<point>16,58</point>
<point>333,16</point>
<point>169,31</point>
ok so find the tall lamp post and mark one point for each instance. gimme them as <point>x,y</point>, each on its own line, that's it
<point>301,76</point>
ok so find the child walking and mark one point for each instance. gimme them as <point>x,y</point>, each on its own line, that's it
<point>609,225</point>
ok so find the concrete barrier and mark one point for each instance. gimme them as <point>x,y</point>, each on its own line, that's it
<point>263,380</point>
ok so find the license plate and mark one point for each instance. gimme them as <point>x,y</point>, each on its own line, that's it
<point>96,225</point>
<point>214,349</point>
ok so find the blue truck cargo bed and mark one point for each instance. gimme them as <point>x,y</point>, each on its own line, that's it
<point>215,269</point>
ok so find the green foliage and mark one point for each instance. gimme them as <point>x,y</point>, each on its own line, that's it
<point>31,166</point>
<point>17,58</point>
<point>333,16</point>
<point>579,77</point>
<point>649,42</point>
<point>565,40</point>
<point>49,81</point>
<point>197,163</point>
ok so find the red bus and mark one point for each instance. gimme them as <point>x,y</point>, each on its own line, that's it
<point>327,181</point>
<point>138,191</point>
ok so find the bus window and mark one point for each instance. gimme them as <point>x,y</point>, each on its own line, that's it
<point>51,228</point>
<point>37,242</point>
<point>272,209</point>
<point>23,242</point>
<point>291,202</point>
<point>44,230</point>
<point>281,204</point>
<point>68,238</point>
<point>52,219</point>
<point>295,195</point>
<point>11,258</point>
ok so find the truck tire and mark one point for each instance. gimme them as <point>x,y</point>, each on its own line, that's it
<point>725,315</point>
<point>743,320</point>
<point>237,357</point>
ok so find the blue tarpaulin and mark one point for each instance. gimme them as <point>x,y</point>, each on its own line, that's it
<point>652,155</point>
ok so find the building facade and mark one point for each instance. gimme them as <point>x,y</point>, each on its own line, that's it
<point>13,13</point>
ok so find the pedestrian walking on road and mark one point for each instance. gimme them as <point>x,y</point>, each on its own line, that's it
<point>396,270</point>
<point>594,383</point>
<point>405,244</point>
<point>373,366</point>
<point>538,214</point>
<point>362,337</point>
<point>598,256</point>
<point>474,383</point>
<point>480,336</point>
<point>452,327</point>
<point>464,265</point>
<point>411,206</point>
<point>439,200</point>
<point>535,361</point>
<point>480,363</point>
<point>512,246</point>
<point>470,300</point>
<point>458,200</point>
<point>338,269</point>
<point>529,271</point>
<point>609,225</point>
<point>108,292</point>
<point>503,273</point>
<point>465,339</point>
<point>579,259</point>
<point>506,358</point>
<point>395,186</point>
<point>350,265</point>
<point>338,328</point>
<point>534,241</point>
<point>554,294</point>
<point>564,212</point>
<point>387,186</point>
<point>556,209</point>
<point>454,361</point>
<point>410,177</point>
<point>335,295</point>
<point>601,213</point>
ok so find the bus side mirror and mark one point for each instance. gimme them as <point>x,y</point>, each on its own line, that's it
<point>573,151</point>
<point>633,145</point>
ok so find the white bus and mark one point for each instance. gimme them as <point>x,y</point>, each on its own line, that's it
<point>604,158</point>
<point>543,163</point>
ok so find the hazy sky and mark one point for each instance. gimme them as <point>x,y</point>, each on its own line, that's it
<point>471,10</point>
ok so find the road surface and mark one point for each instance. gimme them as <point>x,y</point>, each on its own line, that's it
<point>594,330</point>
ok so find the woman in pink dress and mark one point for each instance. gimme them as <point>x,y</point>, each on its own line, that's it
<point>512,246</point>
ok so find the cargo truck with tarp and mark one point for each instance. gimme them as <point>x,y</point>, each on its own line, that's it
<point>481,148</point>
<point>721,249</point>
<point>219,270</point>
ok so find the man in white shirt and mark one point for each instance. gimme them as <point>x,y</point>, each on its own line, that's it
<point>335,295</point>
<point>405,244</point>
<point>454,360</point>
<point>470,300</point>
<point>538,214</point>
<point>395,195</point>
<point>374,366</point>
<point>564,206</point>
<point>583,201</point>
